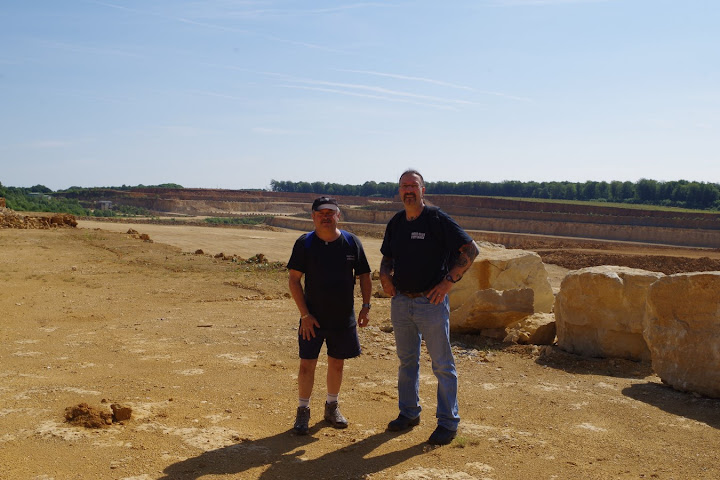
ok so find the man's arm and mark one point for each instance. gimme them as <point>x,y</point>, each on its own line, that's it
<point>464,260</point>
<point>386,272</point>
<point>366,291</point>
<point>466,256</point>
<point>308,323</point>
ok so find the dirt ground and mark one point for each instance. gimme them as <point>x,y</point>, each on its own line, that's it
<point>203,350</point>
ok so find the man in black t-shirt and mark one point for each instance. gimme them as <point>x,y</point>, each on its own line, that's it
<point>330,259</point>
<point>424,254</point>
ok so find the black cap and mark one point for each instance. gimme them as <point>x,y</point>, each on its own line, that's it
<point>322,203</point>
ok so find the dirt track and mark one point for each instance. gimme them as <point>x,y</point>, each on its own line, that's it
<point>204,352</point>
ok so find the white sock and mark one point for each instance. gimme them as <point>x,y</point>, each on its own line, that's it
<point>303,402</point>
<point>332,398</point>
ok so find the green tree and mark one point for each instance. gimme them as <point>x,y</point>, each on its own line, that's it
<point>646,190</point>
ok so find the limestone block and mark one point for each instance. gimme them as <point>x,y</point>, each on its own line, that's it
<point>599,312</point>
<point>489,308</point>
<point>682,331</point>
<point>500,288</point>
<point>537,329</point>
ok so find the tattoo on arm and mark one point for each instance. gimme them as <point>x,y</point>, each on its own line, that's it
<point>465,257</point>
<point>386,266</point>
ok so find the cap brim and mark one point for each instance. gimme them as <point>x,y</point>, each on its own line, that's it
<point>327,206</point>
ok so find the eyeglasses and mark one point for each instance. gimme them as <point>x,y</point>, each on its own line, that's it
<point>325,212</point>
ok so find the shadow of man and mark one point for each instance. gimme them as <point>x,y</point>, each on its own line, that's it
<point>280,457</point>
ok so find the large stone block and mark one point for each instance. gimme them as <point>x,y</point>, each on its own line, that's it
<point>682,330</point>
<point>491,309</point>
<point>599,312</point>
<point>502,287</point>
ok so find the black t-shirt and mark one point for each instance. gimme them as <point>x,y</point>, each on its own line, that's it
<point>330,269</point>
<point>421,249</point>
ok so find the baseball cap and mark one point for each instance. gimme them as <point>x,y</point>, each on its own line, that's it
<point>322,203</point>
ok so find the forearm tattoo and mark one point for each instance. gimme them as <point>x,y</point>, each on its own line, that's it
<point>466,256</point>
<point>386,266</point>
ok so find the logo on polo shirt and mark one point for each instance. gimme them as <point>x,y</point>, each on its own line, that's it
<point>417,236</point>
<point>350,258</point>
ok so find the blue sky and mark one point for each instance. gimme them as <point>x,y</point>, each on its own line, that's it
<point>232,94</point>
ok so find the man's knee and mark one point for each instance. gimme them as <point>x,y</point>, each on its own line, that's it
<point>307,367</point>
<point>335,363</point>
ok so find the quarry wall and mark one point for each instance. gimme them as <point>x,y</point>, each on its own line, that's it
<point>501,216</point>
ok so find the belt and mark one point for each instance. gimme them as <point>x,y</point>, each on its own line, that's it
<point>413,294</point>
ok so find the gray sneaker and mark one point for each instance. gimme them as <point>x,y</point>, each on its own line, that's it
<point>333,415</point>
<point>301,421</point>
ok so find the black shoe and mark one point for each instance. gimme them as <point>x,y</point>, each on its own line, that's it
<point>333,415</point>
<point>441,436</point>
<point>301,421</point>
<point>403,423</point>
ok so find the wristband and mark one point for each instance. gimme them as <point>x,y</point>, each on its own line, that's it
<point>303,317</point>
<point>366,305</point>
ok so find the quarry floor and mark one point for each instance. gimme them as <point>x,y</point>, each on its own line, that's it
<point>204,352</point>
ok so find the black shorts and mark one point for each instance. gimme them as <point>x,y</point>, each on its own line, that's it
<point>342,343</point>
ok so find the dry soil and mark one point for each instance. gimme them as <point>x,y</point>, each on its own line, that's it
<point>203,350</point>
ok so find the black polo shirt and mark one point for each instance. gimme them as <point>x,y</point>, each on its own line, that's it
<point>422,249</point>
<point>330,269</point>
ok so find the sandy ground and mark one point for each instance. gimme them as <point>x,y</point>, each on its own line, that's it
<point>204,352</point>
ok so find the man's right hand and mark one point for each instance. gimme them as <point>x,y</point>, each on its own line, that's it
<point>308,326</point>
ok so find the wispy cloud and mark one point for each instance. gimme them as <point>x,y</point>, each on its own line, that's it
<point>217,95</point>
<point>438,83</point>
<point>408,77</point>
<point>370,95</point>
<point>248,10</point>
<point>359,90</point>
<point>531,3</point>
<point>85,49</point>
<point>185,130</point>
<point>224,14</point>
<point>276,131</point>
<point>48,144</point>
<point>386,92</point>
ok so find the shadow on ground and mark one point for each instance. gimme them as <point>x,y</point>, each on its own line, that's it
<point>281,456</point>
<point>687,405</point>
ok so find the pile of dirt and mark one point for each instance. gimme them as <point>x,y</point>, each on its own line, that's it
<point>668,265</point>
<point>140,236</point>
<point>84,415</point>
<point>11,219</point>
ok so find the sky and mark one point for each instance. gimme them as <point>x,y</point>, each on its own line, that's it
<point>235,93</point>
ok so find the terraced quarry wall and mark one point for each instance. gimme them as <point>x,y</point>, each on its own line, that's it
<point>502,216</point>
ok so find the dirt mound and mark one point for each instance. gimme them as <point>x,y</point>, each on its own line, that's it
<point>668,265</point>
<point>11,219</point>
<point>84,415</point>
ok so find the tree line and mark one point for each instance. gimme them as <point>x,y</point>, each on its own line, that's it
<point>678,193</point>
<point>40,198</point>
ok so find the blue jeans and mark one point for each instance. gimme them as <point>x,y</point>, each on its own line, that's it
<point>414,320</point>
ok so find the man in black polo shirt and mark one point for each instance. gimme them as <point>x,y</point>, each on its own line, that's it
<point>330,259</point>
<point>424,253</point>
